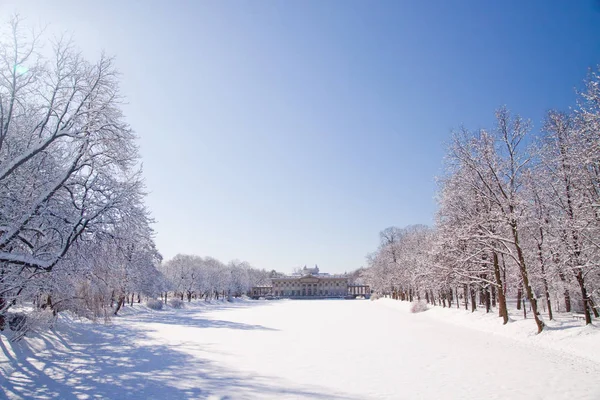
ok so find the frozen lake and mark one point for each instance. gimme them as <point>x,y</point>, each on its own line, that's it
<point>321,349</point>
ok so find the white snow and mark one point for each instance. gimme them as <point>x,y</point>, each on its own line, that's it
<point>319,349</point>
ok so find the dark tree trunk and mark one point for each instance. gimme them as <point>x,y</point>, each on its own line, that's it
<point>525,276</point>
<point>493,288</point>
<point>566,292</point>
<point>466,292</point>
<point>502,309</point>
<point>594,308</point>
<point>481,295</point>
<point>548,300</point>
<point>584,296</point>
<point>473,299</point>
<point>519,295</point>
<point>48,302</point>
<point>2,317</point>
<point>457,299</point>
<point>120,303</point>
<point>543,270</point>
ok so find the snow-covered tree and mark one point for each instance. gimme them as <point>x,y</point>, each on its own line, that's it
<point>69,179</point>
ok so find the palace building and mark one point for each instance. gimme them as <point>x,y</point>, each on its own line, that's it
<point>309,283</point>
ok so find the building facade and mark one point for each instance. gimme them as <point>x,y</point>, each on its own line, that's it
<point>308,283</point>
<point>310,286</point>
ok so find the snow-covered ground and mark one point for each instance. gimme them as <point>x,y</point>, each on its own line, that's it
<point>323,349</point>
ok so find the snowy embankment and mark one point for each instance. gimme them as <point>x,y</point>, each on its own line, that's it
<point>320,349</point>
<point>564,333</point>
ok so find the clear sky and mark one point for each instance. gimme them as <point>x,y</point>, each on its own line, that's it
<point>287,133</point>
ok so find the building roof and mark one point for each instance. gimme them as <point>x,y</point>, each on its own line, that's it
<point>319,276</point>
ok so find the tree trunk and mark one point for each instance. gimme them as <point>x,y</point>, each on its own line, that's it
<point>566,293</point>
<point>466,292</point>
<point>563,279</point>
<point>120,303</point>
<point>525,276</point>
<point>543,270</point>
<point>457,299</point>
<point>548,301</point>
<point>502,309</point>
<point>584,296</point>
<point>2,316</point>
<point>519,295</point>
<point>593,307</point>
<point>481,295</point>
<point>473,300</point>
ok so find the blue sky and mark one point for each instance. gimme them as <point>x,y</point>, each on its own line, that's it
<point>291,132</point>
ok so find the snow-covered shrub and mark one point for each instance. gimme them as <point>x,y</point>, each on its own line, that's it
<point>418,306</point>
<point>374,296</point>
<point>154,304</point>
<point>176,303</point>
<point>17,321</point>
<point>35,321</point>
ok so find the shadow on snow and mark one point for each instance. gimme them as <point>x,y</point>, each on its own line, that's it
<point>107,361</point>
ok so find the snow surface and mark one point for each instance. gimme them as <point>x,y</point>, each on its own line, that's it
<point>318,349</point>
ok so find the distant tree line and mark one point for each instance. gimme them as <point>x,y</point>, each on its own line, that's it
<point>192,277</point>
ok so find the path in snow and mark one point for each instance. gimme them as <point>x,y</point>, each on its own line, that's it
<point>325,349</point>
